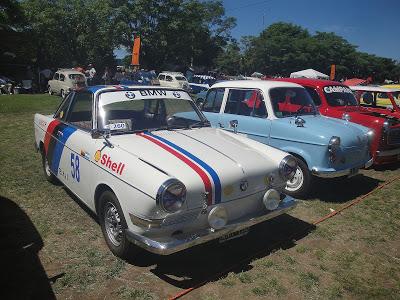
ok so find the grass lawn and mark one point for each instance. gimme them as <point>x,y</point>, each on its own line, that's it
<point>356,254</point>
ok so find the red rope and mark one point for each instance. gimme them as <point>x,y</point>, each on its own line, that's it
<point>328,216</point>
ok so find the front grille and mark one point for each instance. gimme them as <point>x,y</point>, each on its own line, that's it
<point>180,218</point>
<point>394,137</point>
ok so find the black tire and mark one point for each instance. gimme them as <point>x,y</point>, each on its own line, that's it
<point>46,170</point>
<point>112,220</point>
<point>299,188</point>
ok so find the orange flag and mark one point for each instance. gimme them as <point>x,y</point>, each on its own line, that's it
<point>333,71</point>
<point>135,51</point>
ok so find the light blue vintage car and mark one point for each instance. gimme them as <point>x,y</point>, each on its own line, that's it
<point>283,115</point>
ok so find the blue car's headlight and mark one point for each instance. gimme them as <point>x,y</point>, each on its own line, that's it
<point>171,195</point>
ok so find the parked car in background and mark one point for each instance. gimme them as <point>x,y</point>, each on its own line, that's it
<point>140,78</point>
<point>282,115</point>
<point>66,80</point>
<point>200,83</point>
<point>377,98</point>
<point>336,100</point>
<point>173,80</point>
<point>146,161</point>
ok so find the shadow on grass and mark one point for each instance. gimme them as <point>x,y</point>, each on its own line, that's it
<point>390,167</point>
<point>340,190</point>
<point>21,273</point>
<point>212,261</point>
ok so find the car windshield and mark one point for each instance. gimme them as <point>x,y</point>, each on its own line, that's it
<point>125,112</point>
<point>291,101</point>
<point>339,96</point>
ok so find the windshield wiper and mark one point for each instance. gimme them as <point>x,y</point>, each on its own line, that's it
<point>201,123</point>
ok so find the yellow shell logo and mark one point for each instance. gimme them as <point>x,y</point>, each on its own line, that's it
<point>97,155</point>
<point>228,190</point>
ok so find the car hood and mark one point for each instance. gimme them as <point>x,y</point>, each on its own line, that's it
<point>319,130</point>
<point>204,156</point>
<point>369,114</point>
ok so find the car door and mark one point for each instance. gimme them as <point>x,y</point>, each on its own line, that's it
<point>54,83</point>
<point>245,109</point>
<point>212,105</point>
<point>78,148</point>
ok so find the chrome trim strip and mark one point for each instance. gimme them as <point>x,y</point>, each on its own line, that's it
<point>184,241</point>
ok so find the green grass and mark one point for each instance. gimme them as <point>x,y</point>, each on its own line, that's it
<point>354,255</point>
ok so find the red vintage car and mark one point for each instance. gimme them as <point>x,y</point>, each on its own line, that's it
<point>338,101</point>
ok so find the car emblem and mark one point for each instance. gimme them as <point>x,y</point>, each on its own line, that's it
<point>130,95</point>
<point>244,185</point>
<point>176,94</point>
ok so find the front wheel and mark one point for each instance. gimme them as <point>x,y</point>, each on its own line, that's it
<point>113,225</point>
<point>46,169</point>
<point>50,91</point>
<point>63,94</point>
<point>300,184</point>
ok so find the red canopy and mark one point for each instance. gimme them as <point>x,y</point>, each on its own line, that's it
<point>355,81</point>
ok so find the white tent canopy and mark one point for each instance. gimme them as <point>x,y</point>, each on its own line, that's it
<point>309,73</point>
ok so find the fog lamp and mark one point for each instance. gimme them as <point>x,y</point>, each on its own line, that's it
<point>218,217</point>
<point>271,199</point>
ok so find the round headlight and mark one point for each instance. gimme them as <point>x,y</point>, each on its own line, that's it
<point>334,141</point>
<point>271,199</point>
<point>288,167</point>
<point>218,217</point>
<point>171,195</point>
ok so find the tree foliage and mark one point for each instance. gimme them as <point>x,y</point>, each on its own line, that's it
<point>283,48</point>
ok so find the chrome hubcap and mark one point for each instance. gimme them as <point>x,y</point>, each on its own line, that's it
<point>296,182</point>
<point>112,223</point>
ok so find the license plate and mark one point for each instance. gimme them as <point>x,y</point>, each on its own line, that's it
<point>233,235</point>
<point>353,171</point>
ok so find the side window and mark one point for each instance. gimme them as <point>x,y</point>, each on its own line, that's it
<point>56,76</point>
<point>168,78</point>
<point>80,112</point>
<point>314,96</point>
<point>214,100</point>
<point>62,110</point>
<point>246,103</point>
<point>62,77</point>
<point>161,77</point>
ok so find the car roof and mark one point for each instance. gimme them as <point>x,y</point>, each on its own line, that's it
<point>266,84</point>
<point>369,88</point>
<point>309,81</point>
<point>97,88</point>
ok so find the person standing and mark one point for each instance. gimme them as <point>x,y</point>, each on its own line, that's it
<point>106,76</point>
<point>91,74</point>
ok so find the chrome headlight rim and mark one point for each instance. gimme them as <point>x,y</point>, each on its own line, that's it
<point>333,147</point>
<point>165,191</point>
<point>288,167</point>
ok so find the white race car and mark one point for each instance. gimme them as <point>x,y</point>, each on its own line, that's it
<point>147,162</point>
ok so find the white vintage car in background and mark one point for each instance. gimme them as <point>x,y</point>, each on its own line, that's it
<point>147,162</point>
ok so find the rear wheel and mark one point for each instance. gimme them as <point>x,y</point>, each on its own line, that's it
<point>299,185</point>
<point>113,225</point>
<point>46,169</point>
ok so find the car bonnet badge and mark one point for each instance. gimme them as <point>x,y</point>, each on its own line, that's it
<point>130,95</point>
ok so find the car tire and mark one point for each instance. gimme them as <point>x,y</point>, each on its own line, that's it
<point>62,93</point>
<point>50,91</point>
<point>50,177</point>
<point>299,186</point>
<point>113,226</point>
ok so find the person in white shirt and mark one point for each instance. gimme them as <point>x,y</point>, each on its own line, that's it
<point>92,74</point>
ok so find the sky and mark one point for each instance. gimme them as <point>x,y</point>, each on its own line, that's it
<point>372,25</point>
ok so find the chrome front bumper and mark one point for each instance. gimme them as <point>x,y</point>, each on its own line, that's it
<point>388,152</point>
<point>183,241</point>
<point>345,172</point>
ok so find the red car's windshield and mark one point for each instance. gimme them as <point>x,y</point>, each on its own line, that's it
<point>338,95</point>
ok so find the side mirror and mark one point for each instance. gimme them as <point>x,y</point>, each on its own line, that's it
<point>234,124</point>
